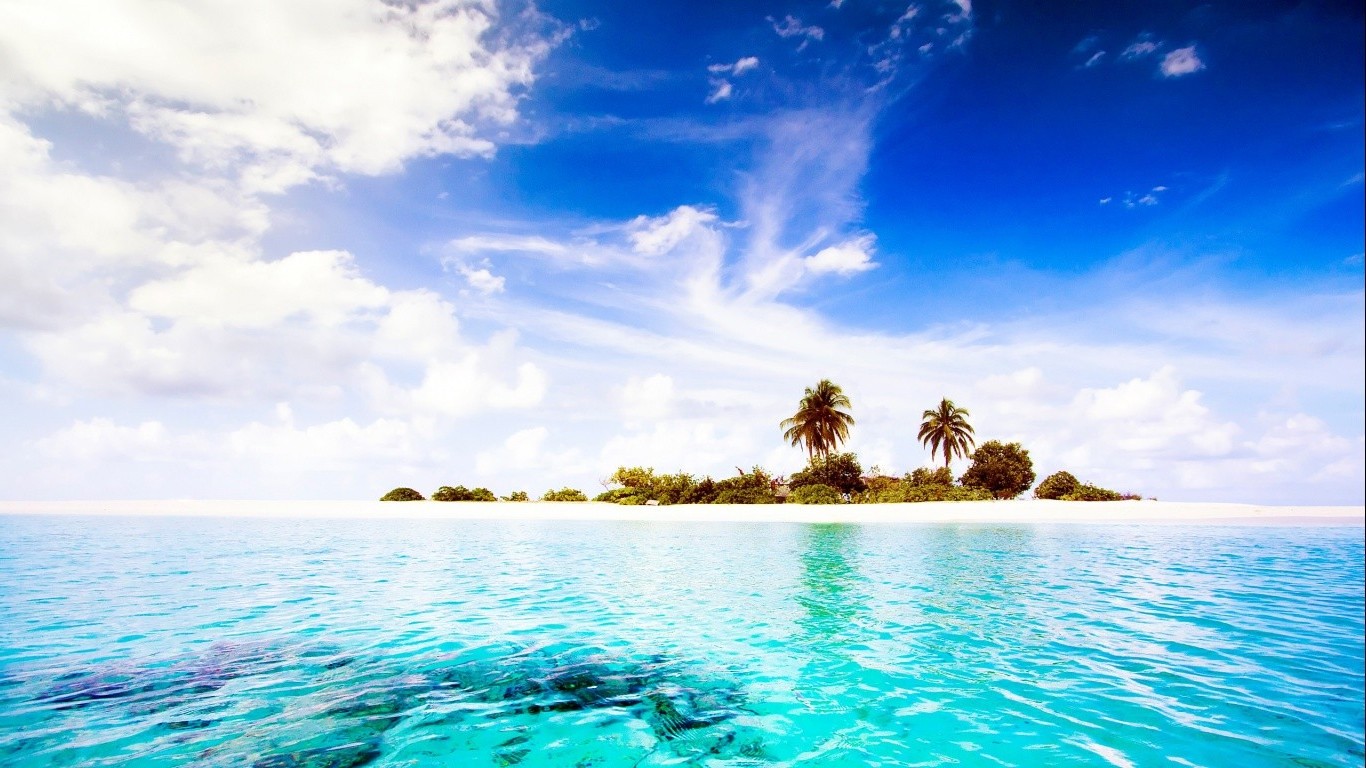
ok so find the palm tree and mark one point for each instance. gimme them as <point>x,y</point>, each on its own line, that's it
<point>819,423</point>
<point>946,429</point>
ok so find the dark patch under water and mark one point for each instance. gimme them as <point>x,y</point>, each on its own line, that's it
<point>681,707</point>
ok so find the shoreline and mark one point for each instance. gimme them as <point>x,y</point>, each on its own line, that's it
<point>1019,511</point>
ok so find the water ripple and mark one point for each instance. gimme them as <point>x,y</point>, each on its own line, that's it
<point>340,644</point>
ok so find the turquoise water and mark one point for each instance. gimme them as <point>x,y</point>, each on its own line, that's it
<point>338,644</point>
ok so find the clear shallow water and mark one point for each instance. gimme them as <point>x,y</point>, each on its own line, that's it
<point>338,644</point>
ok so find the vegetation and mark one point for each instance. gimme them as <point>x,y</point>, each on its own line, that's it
<point>931,477</point>
<point>1003,469</point>
<point>920,485</point>
<point>840,471</point>
<point>754,487</point>
<point>815,494</point>
<point>461,493</point>
<point>1066,487</point>
<point>640,485</point>
<point>945,429</point>
<point>402,494</point>
<point>564,494</point>
<point>819,424</point>
<point>1057,485</point>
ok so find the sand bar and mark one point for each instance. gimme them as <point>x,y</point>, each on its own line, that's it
<point>1023,511</point>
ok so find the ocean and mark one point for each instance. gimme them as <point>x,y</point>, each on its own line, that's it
<point>317,643</point>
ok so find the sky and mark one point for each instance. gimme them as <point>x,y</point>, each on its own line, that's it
<point>323,248</point>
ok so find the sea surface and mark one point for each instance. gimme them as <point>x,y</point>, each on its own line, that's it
<point>313,643</point>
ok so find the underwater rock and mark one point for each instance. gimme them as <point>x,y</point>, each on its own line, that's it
<point>79,689</point>
<point>345,756</point>
<point>378,712</point>
<point>185,725</point>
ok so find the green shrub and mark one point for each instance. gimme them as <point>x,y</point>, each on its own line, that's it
<point>461,493</point>
<point>516,496</point>
<point>702,493</point>
<point>926,476</point>
<point>840,471</point>
<point>564,494</point>
<point>447,493</point>
<point>402,494</point>
<point>904,492</point>
<point>1004,469</point>
<point>1056,486</point>
<point>621,496</point>
<point>918,493</point>
<point>815,494</point>
<point>1088,492</point>
<point>1065,487</point>
<point>755,487</point>
<point>642,482</point>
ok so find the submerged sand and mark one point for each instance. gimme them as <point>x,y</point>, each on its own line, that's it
<point>1023,511</point>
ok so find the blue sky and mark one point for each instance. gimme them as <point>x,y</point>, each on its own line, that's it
<point>320,250</point>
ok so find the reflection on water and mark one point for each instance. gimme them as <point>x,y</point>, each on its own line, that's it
<point>340,644</point>
<point>829,596</point>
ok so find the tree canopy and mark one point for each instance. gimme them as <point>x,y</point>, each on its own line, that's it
<point>819,423</point>
<point>946,429</point>
<point>1004,469</point>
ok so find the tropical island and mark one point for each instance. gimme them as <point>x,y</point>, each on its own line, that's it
<point>820,425</point>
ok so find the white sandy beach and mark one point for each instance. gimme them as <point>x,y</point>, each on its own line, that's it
<point>1025,511</point>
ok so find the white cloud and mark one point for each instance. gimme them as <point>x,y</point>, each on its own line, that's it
<point>323,286</point>
<point>791,26</point>
<point>513,243</point>
<point>474,381</point>
<point>524,454</point>
<point>1133,199</point>
<point>698,446</point>
<point>721,91</point>
<point>744,65</point>
<point>647,399</point>
<point>659,235</point>
<point>739,67</point>
<point>66,237</point>
<point>1143,46</point>
<point>1182,61</point>
<point>281,93</point>
<point>847,258</point>
<point>1093,60</point>
<point>483,280</point>
<point>101,438</point>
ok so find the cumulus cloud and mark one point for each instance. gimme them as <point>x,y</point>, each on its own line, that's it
<point>324,286</point>
<point>721,91</point>
<point>525,451</point>
<point>1182,61</point>
<point>482,280</point>
<point>847,258</point>
<point>647,399</point>
<point>654,236</point>
<point>297,91</point>
<point>101,438</point>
